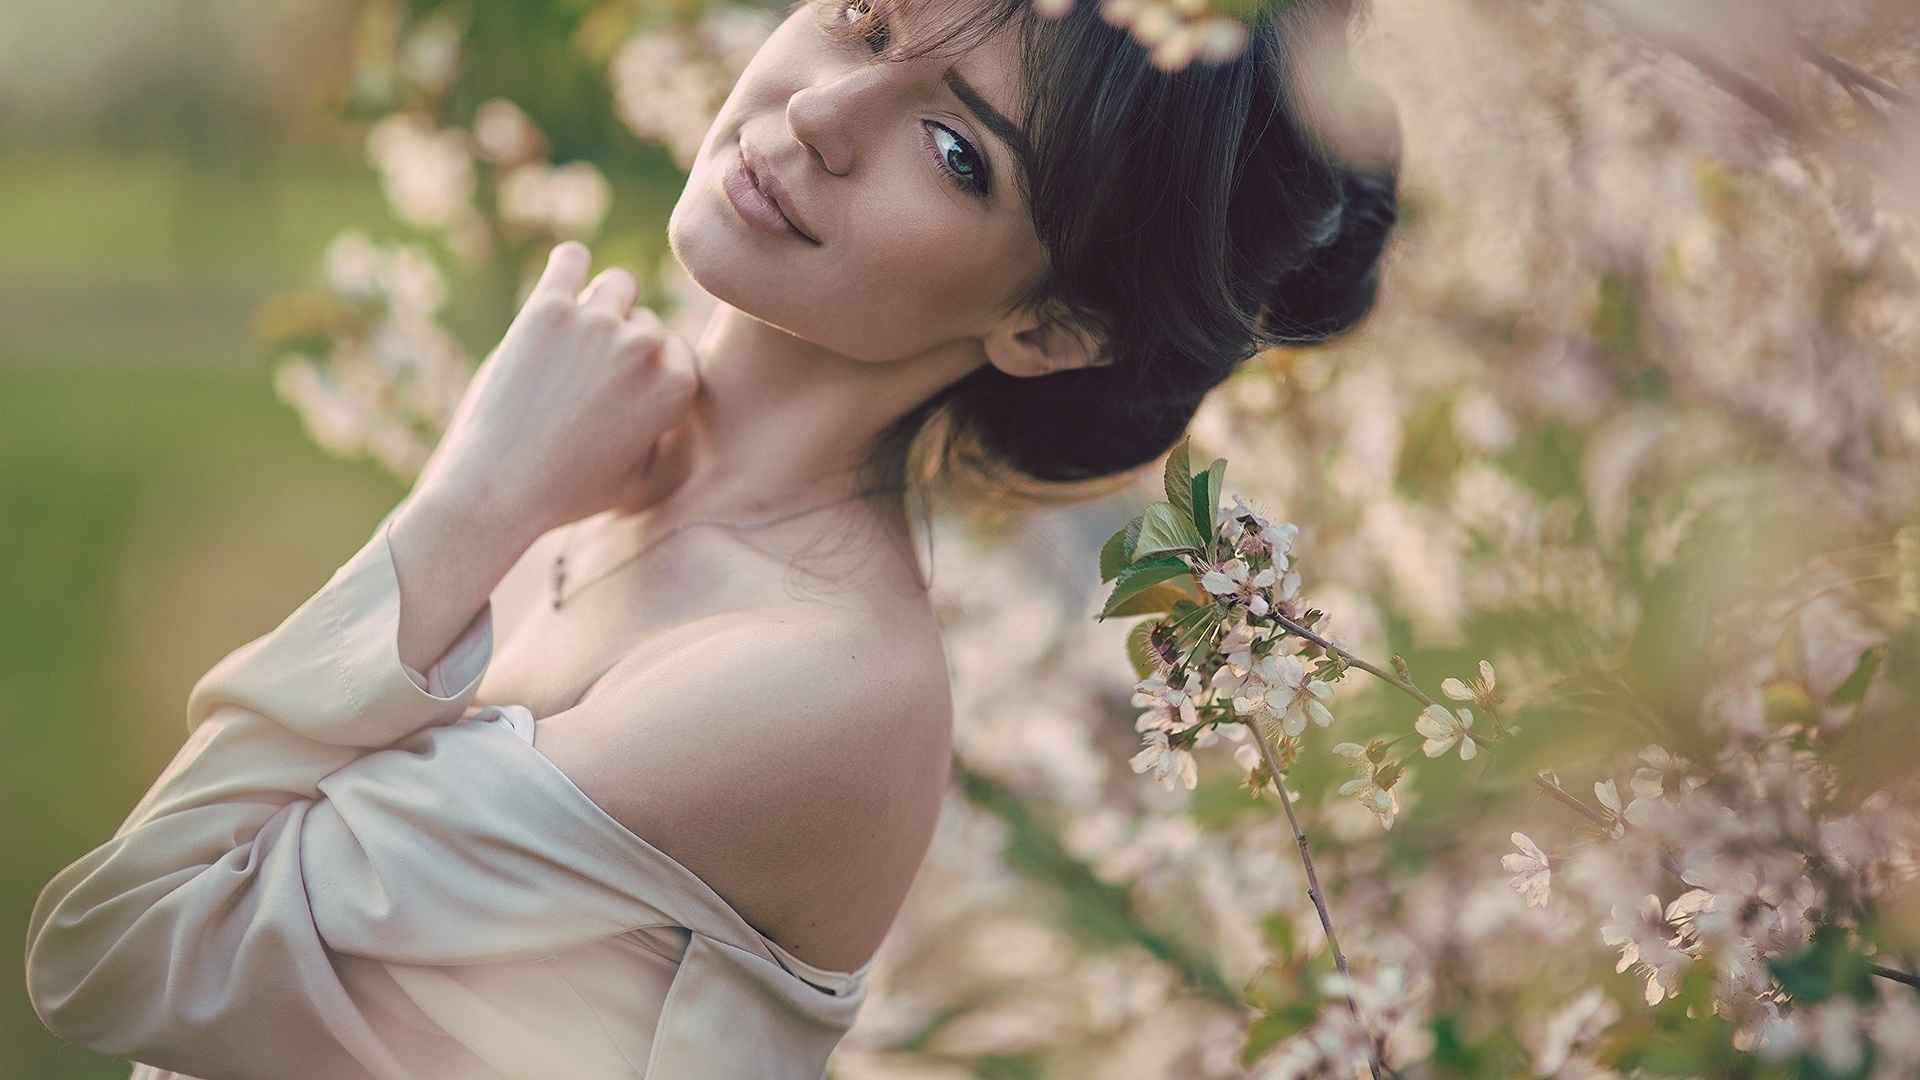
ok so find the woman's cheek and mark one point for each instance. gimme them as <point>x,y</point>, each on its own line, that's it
<point>944,259</point>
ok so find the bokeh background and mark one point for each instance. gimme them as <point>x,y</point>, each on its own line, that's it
<point>1638,420</point>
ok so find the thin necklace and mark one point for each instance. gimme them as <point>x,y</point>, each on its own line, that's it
<point>557,576</point>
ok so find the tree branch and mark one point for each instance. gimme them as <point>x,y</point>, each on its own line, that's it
<point>1313,888</point>
<point>1314,892</point>
<point>1299,629</point>
<point>1897,976</point>
<point>1851,76</point>
<point>1755,95</point>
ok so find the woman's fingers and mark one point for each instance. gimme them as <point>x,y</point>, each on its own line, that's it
<point>612,290</point>
<point>679,368</point>
<point>646,322</point>
<point>566,272</point>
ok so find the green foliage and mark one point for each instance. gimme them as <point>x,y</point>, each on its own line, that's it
<point>1828,967</point>
<point>1146,559</point>
<point>1164,531</point>
<point>1851,691</point>
<point>1207,490</point>
<point>1117,552</point>
<point>1134,592</point>
<point>1138,654</point>
<point>1097,912</point>
<point>1179,481</point>
<point>1453,1052</point>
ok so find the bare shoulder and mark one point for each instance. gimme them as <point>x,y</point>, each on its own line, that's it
<point>794,757</point>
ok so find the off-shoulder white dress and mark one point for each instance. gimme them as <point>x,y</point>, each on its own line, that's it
<point>348,871</point>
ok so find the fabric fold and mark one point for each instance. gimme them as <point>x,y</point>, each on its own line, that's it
<point>344,874</point>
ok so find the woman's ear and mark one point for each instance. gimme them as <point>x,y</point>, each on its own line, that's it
<point>1027,345</point>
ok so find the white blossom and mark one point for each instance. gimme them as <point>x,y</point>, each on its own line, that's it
<point>1532,871</point>
<point>1443,728</point>
<point>1280,692</point>
<point>1479,691</point>
<point>427,175</point>
<point>1641,934</point>
<point>1168,707</point>
<point>1166,761</point>
<point>1609,795</point>
<point>1381,802</point>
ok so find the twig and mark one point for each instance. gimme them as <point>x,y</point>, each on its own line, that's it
<point>1749,90</point>
<point>1405,687</point>
<point>1830,589</point>
<point>1897,976</point>
<point>1313,888</point>
<point>1850,76</point>
<point>1604,821</point>
<point>1562,796</point>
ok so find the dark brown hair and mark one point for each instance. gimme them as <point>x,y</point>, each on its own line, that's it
<point>1190,217</point>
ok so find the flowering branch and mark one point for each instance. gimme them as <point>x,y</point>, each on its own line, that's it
<point>1226,651</point>
<point>1396,682</point>
<point>1614,824</point>
<point>1313,889</point>
<point>1562,796</point>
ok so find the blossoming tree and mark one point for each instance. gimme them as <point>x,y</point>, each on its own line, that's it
<point>1625,465</point>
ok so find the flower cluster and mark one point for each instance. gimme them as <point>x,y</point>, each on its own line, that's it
<point>432,177</point>
<point>1175,33</point>
<point>670,80</point>
<point>1230,649</point>
<point>367,358</point>
<point>391,373</point>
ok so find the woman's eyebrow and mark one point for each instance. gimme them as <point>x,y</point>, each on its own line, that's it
<point>989,117</point>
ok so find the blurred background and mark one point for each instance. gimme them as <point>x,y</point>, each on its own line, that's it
<point>1638,420</point>
<point>164,168</point>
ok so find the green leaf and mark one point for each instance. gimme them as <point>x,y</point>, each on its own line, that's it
<point>1266,1032</point>
<point>1855,687</point>
<point>1206,497</point>
<point>1202,517</point>
<point>1827,968</point>
<point>1164,531</point>
<point>1277,928</point>
<point>1153,600</point>
<point>1138,652</point>
<point>1139,578</point>
<point>1179,480</point>
<point>1117,552</point>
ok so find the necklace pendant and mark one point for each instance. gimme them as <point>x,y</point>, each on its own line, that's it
<point>558,576</point>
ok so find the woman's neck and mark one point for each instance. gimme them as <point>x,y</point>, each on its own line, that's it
<point>781,422</point>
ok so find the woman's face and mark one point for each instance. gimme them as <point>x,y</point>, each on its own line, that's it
<point>899,177</point>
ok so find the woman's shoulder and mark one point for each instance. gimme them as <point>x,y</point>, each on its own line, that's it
<point>793,756</point>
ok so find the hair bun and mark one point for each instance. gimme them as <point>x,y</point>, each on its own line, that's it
<point>1331,291</point>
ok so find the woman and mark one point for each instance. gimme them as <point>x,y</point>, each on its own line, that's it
<point>664,826</point>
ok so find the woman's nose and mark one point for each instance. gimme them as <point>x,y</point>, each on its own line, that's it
<point>831,116</point>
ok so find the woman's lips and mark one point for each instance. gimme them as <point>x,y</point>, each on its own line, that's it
<point>756,206</point>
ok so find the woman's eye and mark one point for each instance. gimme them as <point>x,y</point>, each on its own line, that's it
<point>861,12</point>
<point>961,162</point>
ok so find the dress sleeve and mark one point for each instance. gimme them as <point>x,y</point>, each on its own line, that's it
<point>187,940</point>
<point>338,833</point>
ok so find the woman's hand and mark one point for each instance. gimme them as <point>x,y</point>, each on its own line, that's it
<point>566,417</point>
<point>570,415</point>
